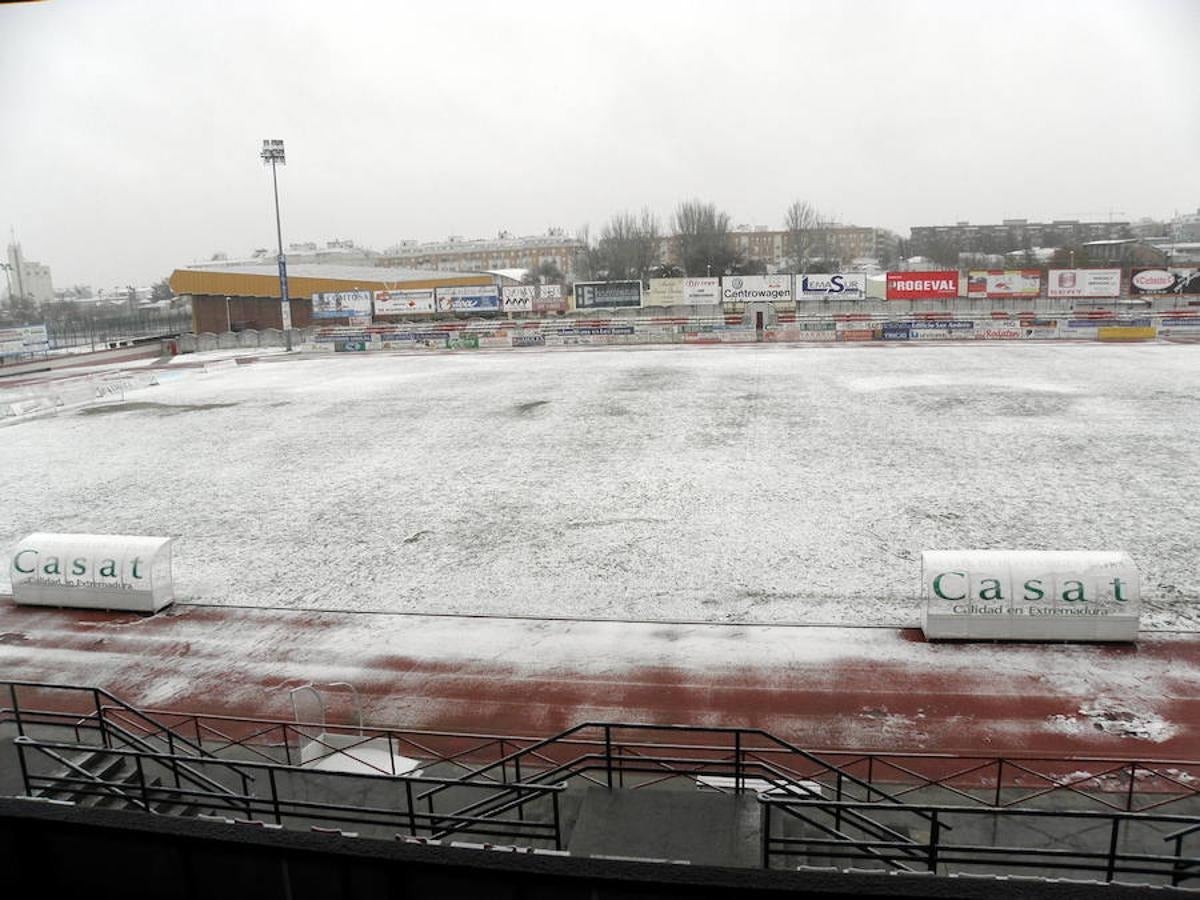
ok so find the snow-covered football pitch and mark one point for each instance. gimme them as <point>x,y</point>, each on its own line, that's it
<point>741,484</point>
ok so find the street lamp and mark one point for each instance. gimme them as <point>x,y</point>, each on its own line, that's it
<point>272,155</point>
<point>7,267</point>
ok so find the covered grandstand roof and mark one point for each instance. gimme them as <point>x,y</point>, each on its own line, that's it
<point>305,280</point>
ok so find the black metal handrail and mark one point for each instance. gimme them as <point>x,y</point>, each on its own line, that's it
<point>21,717</point>
<point>1168,779</point>
<point>276,805</point>
<point>939,852</point>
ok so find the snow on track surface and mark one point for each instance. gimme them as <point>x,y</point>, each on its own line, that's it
<point>752,484</point>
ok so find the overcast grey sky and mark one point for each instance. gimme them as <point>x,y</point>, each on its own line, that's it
<point>131,130</point>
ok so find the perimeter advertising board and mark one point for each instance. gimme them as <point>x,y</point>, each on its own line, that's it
<point>942,285</point>
<point>24,340</point>
<point>737,290</point>
<point>1030,595</point>
<point>404,303</point>
<point>550,299</point>
<point>1165,281</point>
<point>519,298</point>
<point>1003,284</point>
<point>1084,283</point>
<point>478,298</point>
<point>341,304</point>
<point>701,291</point>
<point>608,294</point>
<point>836,286</point>
<point>664,292</point>
<point>942,330</point>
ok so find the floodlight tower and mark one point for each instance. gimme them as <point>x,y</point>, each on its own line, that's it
<point>272,155</point>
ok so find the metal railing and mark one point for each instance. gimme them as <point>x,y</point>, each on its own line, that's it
<point>284,794</point>
<point>1039,840</point>
<point>992,780</point>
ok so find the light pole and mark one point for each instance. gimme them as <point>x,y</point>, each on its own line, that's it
<point>272,155</point>
<point>7,267</point>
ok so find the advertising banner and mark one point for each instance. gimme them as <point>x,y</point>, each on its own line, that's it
<point>1084,283</point>
<point>341,304</point>
<point>895,331</point>
<point>737,290</point>
<point>519,298</point>
<point>664,292</point>
<point>1165,281</point>
<point>942,330</point>
<point>838,286</point>
<point>534,339</point>
<point>480,298</point>
<point>23,340</point>
<point>942,285</point>
<point>1001,284</point>
<point>701,291</point>
<point>998,330</point>
<point>1128,330</point>
<point>1043,329</point>
<point>550,299</point>
<point>608,294</point>
<point>1030,595</point>
<point>404,303</point>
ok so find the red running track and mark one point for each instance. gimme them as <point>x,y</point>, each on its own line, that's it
<point>832,688</point>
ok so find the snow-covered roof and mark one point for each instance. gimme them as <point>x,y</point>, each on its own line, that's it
<point>371,274</point>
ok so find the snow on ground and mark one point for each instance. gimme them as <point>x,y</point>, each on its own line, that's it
<point>755,484</point>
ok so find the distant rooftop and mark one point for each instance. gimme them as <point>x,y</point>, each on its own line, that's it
<point>327,272</point>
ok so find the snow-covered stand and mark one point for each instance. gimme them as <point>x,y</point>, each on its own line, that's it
<point>1030,595</point>
<point>93,571</point>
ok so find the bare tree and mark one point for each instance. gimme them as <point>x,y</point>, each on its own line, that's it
<point>629,245</point>
<point>587,258</point>
<point>703,234</point>
<point>808,236</point>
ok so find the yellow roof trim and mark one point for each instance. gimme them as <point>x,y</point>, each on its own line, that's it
<point>245,284</point>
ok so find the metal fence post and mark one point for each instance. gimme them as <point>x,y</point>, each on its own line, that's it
<point>274,796</point>
<point>837,812</point>
<point>29,793</point>
<point>999,780</point>
<point>557,824</point>
<point>141,774</point>
<point>1129,794</point>
<point>16,707</point>
<point>737,762</point>
<point>766,835</point>
<point>412,814</point>
<point>174,761</point>
<point>105,738</point>
<point>934,837</point>
<point>608,753</point>
<point>1112,849</point>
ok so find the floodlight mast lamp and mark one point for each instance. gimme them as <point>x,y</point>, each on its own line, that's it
<point>273,155</point>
